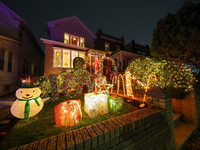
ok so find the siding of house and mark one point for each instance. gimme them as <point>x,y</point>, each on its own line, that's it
<point>17,39</point>
<point>31,54</point>
<point>72,27</point>
<point>8,25</point>
<point>9,78</point>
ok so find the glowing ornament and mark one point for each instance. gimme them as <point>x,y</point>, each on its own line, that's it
<point>115,103</point>
<point>28,103</point>
<point>95,104</point>
<point>68,113</point>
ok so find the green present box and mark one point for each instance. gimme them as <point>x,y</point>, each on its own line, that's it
<point>115,103</point>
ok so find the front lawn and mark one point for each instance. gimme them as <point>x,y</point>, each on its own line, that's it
<point>43,124</point>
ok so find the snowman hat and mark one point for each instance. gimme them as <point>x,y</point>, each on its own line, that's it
<point>28,80</point>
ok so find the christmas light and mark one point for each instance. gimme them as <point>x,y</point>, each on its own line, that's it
<point>95,104</point>
<point>68,113</point>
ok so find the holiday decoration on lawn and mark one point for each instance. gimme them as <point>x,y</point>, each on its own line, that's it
<point>129,89</point>
<point>115,103</point>
<point>95,104</point>
<point>28,101</point>
<point>68,113</point>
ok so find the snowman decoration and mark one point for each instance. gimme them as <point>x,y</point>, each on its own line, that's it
<point>28,103</point>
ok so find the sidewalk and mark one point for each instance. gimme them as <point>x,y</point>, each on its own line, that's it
<point>9,97</point>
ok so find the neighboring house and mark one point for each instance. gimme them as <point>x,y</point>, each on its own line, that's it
<point>20,52</point>
<point>137,48</point>
<point>107,42</point>
<point>131,50</point>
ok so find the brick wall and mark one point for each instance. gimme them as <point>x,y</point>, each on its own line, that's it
<point>48,67</point>
<point>146,129</point>
<point>189,107</point>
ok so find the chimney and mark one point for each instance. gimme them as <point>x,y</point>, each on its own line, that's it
<point>122,38</point>
<point>99,32</point>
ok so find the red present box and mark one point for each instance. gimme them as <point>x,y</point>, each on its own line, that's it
<point>68,113</point>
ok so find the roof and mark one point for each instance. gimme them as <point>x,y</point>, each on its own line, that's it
<point>55,43</point>
<point>124,52</point>
<point>51,24</point>
<point>112,37</point>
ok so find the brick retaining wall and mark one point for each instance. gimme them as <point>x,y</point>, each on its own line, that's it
<point>148,128</point>
<point>189,107</point>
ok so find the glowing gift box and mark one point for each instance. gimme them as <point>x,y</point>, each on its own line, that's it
<point>68,113</point>
<point>115,103</point>
<point>96,104</point>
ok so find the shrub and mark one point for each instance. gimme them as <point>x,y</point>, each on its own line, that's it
<point>174,77</point>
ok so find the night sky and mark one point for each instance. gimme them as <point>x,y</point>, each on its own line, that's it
<point>133,19</point>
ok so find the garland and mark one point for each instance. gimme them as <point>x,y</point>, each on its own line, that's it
<point>54,88</point>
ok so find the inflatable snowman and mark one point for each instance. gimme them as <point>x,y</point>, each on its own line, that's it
<point>28,103</point>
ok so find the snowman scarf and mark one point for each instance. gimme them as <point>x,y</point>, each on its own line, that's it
<point>27,106</point>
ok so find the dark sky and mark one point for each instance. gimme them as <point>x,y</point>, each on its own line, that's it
<point>133,19</point>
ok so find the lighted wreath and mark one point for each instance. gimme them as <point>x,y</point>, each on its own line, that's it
<point>66,86</point>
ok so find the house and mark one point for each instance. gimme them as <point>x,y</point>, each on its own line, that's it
<point>107,42</point>
<point>137,48</point>
<point>20,52</point>
<point>131,50</point>
<point>69,38</point>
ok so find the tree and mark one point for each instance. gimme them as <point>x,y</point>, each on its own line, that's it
<point>177,36</point>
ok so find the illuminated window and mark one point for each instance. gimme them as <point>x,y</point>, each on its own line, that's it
<point>2,59</point>
<point>66,38</point>
<point>73,55</point>
<point>57,58</point>
<point>107,46</point>
<point>10,58</point>
<point>82,42</point>
<point>82,55</point>
<point>74,40</point>
<point>66,58</point>
<point>117,47</point>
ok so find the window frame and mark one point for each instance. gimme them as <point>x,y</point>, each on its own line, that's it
<point>71,36</point>
<point>105,46</point>
<point>82,42</point>
<point>71,61</point>
<point>12,56</point>
<point>3,60</point>
<point>68,37</point>
<point>117,47</point>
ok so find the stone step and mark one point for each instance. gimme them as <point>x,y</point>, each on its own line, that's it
<point>182,133</point>
<point>177,117</point>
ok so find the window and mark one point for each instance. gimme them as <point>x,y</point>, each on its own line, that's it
<point>82,42</point>
<point>7,88</point>
<point>74,54</point>
<point>66,38</point>
<point>10,59</point>
<point>117,47</point>
<point>82,55</point>
<point>64,57</point>
<point>57,58</point>
<point>26,66</point>
<point>107,46</point>
<point>2,59</point>
<point>74,40</point>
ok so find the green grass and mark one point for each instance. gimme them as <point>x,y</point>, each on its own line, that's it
<point>43,124</point>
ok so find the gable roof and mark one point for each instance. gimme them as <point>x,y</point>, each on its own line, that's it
<point>51,24</point>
